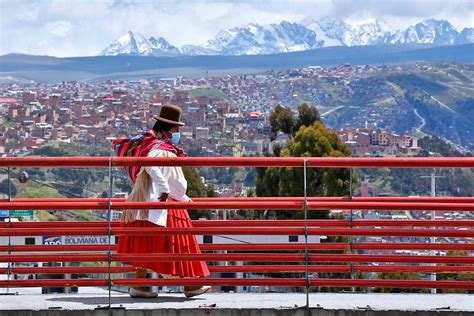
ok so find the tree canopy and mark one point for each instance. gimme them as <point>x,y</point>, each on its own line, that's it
<point>282,119</point>
<point>311,139</point>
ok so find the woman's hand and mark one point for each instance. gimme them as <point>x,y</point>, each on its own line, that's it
<point>163,197</point>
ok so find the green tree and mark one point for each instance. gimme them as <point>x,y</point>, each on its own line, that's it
<point>313,140</point>
<point>282,119</point>
<point>307,115</point>
<point>196,188</point>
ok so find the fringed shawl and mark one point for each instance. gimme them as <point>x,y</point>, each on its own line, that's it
<point>142,146</point>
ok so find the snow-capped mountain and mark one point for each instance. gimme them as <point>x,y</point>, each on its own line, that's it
<point>160,47</point>
<point>466,36</point>
<point>428,32</point>
<point>129,44</point>
<point>255,39</point>
<point>371,32</point>
<point>136,44</point>
<point>194,50</point>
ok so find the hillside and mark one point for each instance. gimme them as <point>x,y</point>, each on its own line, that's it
<point>432,98</point>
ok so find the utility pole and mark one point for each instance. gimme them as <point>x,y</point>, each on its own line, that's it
<point>433,177</point>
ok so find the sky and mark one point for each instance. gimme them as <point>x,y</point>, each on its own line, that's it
<point>65,28</point>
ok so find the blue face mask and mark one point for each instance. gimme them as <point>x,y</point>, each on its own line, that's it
<point>175,137</point>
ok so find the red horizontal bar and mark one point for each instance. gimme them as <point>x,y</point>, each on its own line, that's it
<point>339,268</point>
<point>390,206</point>
<point>410,199</point>
<point>426,162</point>
<point>54,283</point>
<point>203,247</point>
<point>414,222</point>
<point>258,223</point>
<point>237,205</point>
<point>337,246</point>
<point>84,225</point>
<point>66,270</point>
<point>394,283</point>
<point>412,246</point>
<point>406,268</point>
<point>55,248</point>
<point>329,222</point>
<point>196,223</point>
<point>238,282</point>
<point>255,246</point>
<point>151,231</point>
<point>250,269</point>
<point>237,231</point>
<point>150,205</point>
<point>257,257</point>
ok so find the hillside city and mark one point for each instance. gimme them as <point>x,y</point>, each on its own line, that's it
<point>224,116</point>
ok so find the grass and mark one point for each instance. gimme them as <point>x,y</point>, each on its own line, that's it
<point>84,215</point>
<point>211,93</point>
<point>415,82</point>
<point>33,189</point>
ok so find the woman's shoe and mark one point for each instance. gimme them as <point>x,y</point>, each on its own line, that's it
<point>137,293</point>
<point>201,290</point>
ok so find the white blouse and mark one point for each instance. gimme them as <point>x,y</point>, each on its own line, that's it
<point>169,180</point>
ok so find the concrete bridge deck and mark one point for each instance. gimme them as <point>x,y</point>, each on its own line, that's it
<point>95,303</point>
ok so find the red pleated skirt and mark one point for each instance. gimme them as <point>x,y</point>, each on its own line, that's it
<point>168,244</point>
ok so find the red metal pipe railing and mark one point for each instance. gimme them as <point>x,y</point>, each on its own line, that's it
<point>237,205</point>
<point>250,257</point>
<point>251,269</point>
<point>254,247</point>
<point>329,162</point>
<point>339,228</point>
<point>239,282</point>
<point>259,223</point>
<point>448,199</point>
<point>66,270</point>
<point>238,231</point>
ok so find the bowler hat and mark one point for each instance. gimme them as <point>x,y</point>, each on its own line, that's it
<point>170,114</point>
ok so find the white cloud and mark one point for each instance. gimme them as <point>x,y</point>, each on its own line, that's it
<point>85,27</point>
<point>59,28</point>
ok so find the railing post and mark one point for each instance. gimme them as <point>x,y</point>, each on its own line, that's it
<point>351,238</point>
<point>433,217</point>
<point>306,256</point>
<point>433,177</point>
<point>109,232</point>
<point>9,226</point>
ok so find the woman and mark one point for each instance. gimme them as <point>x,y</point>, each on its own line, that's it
<point>159,184</point>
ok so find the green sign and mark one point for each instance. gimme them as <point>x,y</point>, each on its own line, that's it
<point>18,213</point>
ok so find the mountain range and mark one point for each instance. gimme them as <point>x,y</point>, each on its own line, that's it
<point>256,39</point>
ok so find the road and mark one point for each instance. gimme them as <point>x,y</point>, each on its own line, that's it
<point>423,121</point>
<point>332,110</point>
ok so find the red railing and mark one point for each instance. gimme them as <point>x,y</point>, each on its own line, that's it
<point>303,258</point>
